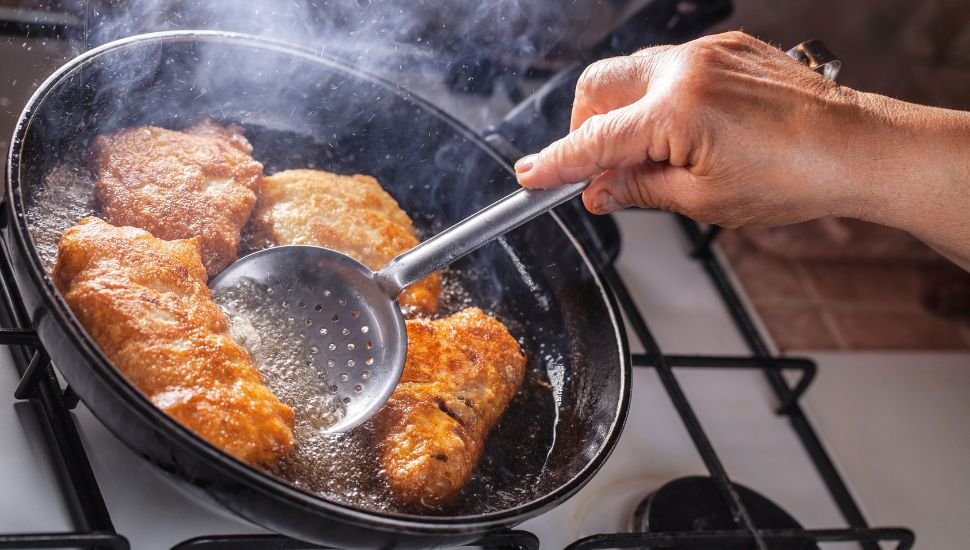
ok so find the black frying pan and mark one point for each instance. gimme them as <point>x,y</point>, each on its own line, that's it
<point>301,110</point>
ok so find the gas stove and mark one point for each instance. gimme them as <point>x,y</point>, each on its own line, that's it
<point>702,415</point>
<point>718,450</point>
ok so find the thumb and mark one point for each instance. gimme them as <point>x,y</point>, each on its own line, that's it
<point>617,139</point>
<point>649,185</point>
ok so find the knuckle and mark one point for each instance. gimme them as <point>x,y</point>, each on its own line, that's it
<point>650,50</point>
<point>587,81</point>
<point>736,38</point>
<point>704,54</point>
<point>617,126</point>
<point>614,132</point>
<point>718,50</point>
<point>699,76</point>
<point>560,154</point>
<point>683,101</point>
<point>590,140</point>
<point>642,193</point>
<point>568,156</point>
<point>591,132</point>
<point>595,77</point>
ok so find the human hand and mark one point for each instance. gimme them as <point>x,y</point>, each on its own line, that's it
<point>731,131</point>
<point>725,129</point>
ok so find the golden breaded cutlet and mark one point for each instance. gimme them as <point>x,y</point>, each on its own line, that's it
<point>460,375</point>
<point>145,303</point>
<point>180,184</point>
<point>349,214</point>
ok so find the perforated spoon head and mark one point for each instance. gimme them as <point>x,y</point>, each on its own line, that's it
<point>353,331</point>
<point>365,343</point>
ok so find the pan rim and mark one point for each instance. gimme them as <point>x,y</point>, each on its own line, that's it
<point>254,479</point>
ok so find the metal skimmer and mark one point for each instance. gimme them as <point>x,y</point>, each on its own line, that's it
<point>348,314</point>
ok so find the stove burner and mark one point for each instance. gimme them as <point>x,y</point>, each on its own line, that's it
<point>696,504</point>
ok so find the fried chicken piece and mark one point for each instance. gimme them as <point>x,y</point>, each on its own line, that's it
<point>461,373</point>
<point>145,303</point>
<point>177,185</point>
<point>349,214</point>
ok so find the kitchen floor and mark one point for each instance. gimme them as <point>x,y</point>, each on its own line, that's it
<point>841,284</point>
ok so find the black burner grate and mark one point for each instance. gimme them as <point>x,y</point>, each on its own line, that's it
<point>747,533</point>
<point>39,386</point>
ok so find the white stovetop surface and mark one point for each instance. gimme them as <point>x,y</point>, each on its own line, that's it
<point>895,424</point>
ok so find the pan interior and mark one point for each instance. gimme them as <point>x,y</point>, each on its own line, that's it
<point>303,113</point>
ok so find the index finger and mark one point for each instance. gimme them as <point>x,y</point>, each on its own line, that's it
<point>614,140</point>
<point>612,83</point>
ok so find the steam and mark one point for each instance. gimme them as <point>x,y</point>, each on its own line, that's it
<point>417,43</point>
<point>421,44</point>
<point>412,41</point>
<point>374,33</point>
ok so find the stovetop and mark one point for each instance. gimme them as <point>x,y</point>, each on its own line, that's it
<point>735,406</point>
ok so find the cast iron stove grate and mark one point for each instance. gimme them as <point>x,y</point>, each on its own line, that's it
<point>747,528</point>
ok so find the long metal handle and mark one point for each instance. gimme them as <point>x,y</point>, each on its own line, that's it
<point>466,236</point>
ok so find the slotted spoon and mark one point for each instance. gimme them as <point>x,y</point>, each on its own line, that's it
<point>353,324</point>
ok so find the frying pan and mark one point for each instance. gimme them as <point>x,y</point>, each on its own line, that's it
<point>300,109</point>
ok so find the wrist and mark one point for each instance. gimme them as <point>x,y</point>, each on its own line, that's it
<point>911,161</point>
<point>914,172</point>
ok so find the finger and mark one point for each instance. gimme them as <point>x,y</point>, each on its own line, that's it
<point>617,139</point>
<point>651,185</point>
<point>612,83</point>
<point>599,197</point>
<point>607,85</point>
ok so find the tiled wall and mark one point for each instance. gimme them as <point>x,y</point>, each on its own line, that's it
<point>846,285</point>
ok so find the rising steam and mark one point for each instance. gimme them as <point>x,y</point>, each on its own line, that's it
<point>374,32</point>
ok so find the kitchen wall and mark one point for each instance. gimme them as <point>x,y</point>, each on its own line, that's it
<point>847,285</point>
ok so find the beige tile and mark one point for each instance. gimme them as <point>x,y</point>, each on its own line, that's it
<point>769,280</point>
<point>867,286</point>
<point>885,330</point>
<point>733,245</point>
<point>797,328</point>
<point>964,329</point>
<point>947,292</point>
<point>838,239</point>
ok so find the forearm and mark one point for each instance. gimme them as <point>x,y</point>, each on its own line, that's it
<point>917,174</point>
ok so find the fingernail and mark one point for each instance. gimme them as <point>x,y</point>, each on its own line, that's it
<point>525,164</point>
<point>605,203</point>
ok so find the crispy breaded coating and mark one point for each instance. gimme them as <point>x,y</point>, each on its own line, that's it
<point>178,185</point>
<point>461,373</point>
<point>145,303</point>
<point>349,214</point>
